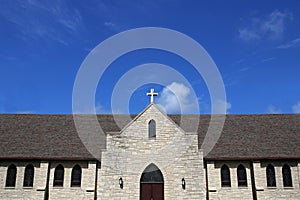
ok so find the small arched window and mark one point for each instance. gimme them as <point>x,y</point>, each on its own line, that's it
<point>76,176</point>
<point>287,176</point>
<point>225,176</point>
<point>58,176</point>
<point>271,178</point>
<point>28,176</point>
<point>11,176</point>
<point>152,128</point>
<point>242,176</point>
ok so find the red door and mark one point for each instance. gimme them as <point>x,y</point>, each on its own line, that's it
<point>152,184</point>
<point>152,191</point>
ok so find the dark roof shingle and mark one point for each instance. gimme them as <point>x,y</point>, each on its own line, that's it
<point>243,136</point>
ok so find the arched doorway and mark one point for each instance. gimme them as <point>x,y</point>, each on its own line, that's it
<point>152,184</point>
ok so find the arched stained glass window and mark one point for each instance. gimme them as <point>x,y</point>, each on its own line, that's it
<point>58,176</point>
<point>152,128</point>
<point>152,174</point>
<point>28,176</point>
<point>287,176</point>
<point>271,178</point>
<point>242,176</point>
<point>11,176</point>
<point>76,176</point>
<point>225,176</point>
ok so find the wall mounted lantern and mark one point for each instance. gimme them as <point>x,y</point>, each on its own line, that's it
<point>121,182</point>
<point>183,183</point>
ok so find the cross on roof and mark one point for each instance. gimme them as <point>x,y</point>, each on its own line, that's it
<point>152,94</point>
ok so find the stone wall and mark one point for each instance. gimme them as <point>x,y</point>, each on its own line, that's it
<point>278,192</point>
<point>216,191</point>
<point>174,152</point>
<point>20,192</point>
<point>86,191</point>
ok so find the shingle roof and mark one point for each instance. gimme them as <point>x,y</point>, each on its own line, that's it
<point>258,137</point>
<point>243,136</point>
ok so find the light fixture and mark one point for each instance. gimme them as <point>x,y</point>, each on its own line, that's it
<point>183,183</point>
<point>121,182</point>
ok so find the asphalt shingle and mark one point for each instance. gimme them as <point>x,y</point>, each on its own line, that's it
<point>55,137</point>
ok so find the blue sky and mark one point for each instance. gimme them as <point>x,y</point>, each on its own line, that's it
<point>255,45</point>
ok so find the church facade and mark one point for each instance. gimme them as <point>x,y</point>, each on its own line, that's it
<point>150,157</point>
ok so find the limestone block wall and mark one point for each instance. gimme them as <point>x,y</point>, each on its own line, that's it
<point>278,192</point>
<point>20,192</point>
<point>174,152</point>
<point>87,189</point>
<point>216,191</point>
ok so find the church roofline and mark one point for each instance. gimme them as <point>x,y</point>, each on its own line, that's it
<point>250,158</point>
<point>136,117</point>
<point>49,158</point>
<point>144,110</point>
<point>255,137</point>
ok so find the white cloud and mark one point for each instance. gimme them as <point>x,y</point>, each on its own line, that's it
<point>25,112</point>
<point>290,44</point>
<point>268,59</point>
<point>115,26</point>
<point>177,98</point>
<point>100,109</point>
<point>296,108</point>
<point>273,110</point>
<point>275,23</point>
<point>109,24</point>
<point>271,26</point>
<point>220,107</point>
<point>244,69</point>
<point>41,20</point>
<point>247,34</point>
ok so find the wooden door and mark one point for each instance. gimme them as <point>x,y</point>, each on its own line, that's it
<point>152,184</point>
<point>152,191</point>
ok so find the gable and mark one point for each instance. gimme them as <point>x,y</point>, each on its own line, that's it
<point>166,128</point>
